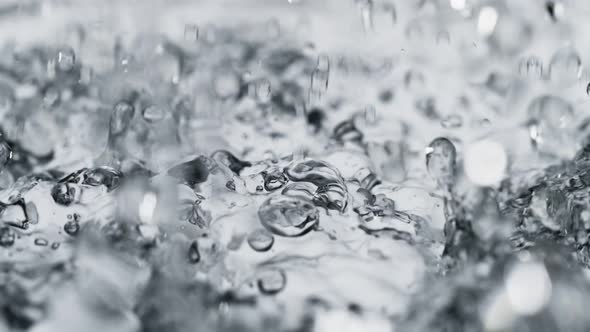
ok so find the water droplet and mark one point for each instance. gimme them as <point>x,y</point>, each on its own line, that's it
<point>147,207</point>
<point>288,216</point>
<point>271,281</point>
<point>274,179</point>
<point>226,85</point>
<point>263,91</point>
<point>55,245</point>
<point>260,240</point>
<point>105,176</point>
<point>194,256</point>
<point>457,4</point>
<point>66,59</point>
<point>7,236</point>
<point>531,67</point>
<point>63,193</point>
<point>319,81</point>
<point>121,118</point>
<point>191,32</point>
<point>555,9</point>
<point>232,162</point>
<point>485,162</point>
<point>487,20</point>
<point>41,242</point>
<point>441,161</point>
<point>528,287</point>
<point>366,11</point>
<point>315,171</point>
<point>370,115</point>
<point>323,63</point>
<point>153,113</point>
<point>550,121</point>
<point>452,121</point>
<point>71,227</point>
<point>565,65</point>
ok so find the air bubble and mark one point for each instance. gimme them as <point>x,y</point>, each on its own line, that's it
<point>441,161</point>
<point>288,216</point>
<point>271,281</point>
<point>260,240</point>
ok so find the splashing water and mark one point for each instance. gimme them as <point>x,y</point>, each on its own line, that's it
<point>337,166</point>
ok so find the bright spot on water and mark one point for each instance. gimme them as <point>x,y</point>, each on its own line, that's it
<point>457,4</point>
<point>485,162</point>
<point>342,321</point>
<point>486,22</point>
<point>528,287</point>
<point>147,207</point>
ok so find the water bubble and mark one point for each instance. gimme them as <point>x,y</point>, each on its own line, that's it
<point>71,227</point>
<point>485,162</point>
<point>441,161</point>
<point>121,118</point>
<point>288,216</point>
<point>194,256</point>
<point>7,236</point>
<point>63,193</point>
<point>271,281</point>
<point>260,240</point>
<point>274,179</point>
<point>315,171</point>
<point>531,67</point>
<point>565,65</point>
<point>153,113</point>
<point>55,245</point>
<point>66,59</point>
<point>263,91</point>
<point>41,242</point>
<point>191,32</point>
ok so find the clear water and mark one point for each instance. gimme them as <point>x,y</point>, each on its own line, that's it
<point>294,166</point>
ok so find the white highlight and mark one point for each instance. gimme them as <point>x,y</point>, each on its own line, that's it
<point>147,207</point>
<point>486,22</point>
<point>457,4</point>
<point>528,287</point>
<point>485,162</point>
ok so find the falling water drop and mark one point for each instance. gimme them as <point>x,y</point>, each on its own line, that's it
<point>194,256</point>
<point>441,161</point>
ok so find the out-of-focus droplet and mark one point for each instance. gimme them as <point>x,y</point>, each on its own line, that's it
<point>565,65</point>
<point>528,287</point>
<point>487,20</point>
<point>507,33</point>
<point>555,9</point>
<point>147,207</point>
<point>226,85</point>
<point>323,63</point>
<point>71,227</point>
<point>588,89</point>
<point>271,281</point>
<point>414,80</point>
<point>63,193</point>
<point>319,81</point>
<point>263,91</point>
<point>452,121</point>
<point>457,4</point>
<point>42,242</point>
<point>550,123</point>
<point>65,59</point>
<point>191,32</point>
<point>121,117</point>
<point>366,11</point>
<point>485,162</point>
<point>370,115</point>
<point>441,161</point>
<point>7,236</point>
<point>288,216</point>
<point>531,67</point>
<point>194,256</point>
<point>153,113</point>
<point>260,240</point>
